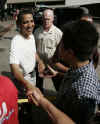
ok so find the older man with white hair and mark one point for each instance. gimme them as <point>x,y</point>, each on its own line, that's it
<point>47,38</point>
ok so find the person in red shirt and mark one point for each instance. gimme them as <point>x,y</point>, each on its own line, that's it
<point>8,102</point>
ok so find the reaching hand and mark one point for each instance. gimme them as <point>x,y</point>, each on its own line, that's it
<point>48,73</point>
<point>55,114</point>
<point>34,95</point>
<point>41,67</point>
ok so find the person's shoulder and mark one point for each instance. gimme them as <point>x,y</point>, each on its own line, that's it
<point>3,78</point>
<point>57,29</point>
<point>17,37</point>
<point>5,82</point>
<point>32,36</point>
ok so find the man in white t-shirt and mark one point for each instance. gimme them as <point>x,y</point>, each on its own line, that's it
<point>23,54</point>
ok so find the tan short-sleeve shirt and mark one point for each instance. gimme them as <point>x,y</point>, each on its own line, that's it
<point>46,42</point>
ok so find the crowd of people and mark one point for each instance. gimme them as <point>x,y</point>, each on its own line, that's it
<point>66,56</point>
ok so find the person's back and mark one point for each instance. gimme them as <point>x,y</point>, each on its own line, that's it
<point>79,93</point>
<point>8,102</point>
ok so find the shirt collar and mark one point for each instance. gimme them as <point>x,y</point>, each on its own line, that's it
<point>80,69</point>
<point>50,30</point>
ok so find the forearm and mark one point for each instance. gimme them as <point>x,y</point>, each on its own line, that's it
<point>38,59</point>
<point>41,65</point>
<point>19,75</point>
<point>61,67</point>
<point>56,115</point>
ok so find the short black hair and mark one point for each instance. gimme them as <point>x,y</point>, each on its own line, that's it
<point>20,15</point>
<point>86,15</point>
<point>80,36</point>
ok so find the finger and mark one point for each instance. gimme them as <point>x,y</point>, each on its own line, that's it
<point>47,76</point>
<point>39,92</point>
<point>34,101</point>
<point>41,75</point>
<point>50,76</point>
<point>29,99</point>
<point>51,69</point>
<point>29,93</point>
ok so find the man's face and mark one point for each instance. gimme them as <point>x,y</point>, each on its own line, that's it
<point>27,25</point>
<point>47,20</point>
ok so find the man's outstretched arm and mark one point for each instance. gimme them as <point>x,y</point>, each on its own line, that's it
<point>55,114</point>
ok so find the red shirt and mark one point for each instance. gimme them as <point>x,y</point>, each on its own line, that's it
<point>8,102</point>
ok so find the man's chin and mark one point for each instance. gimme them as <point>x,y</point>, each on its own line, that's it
<point>29,33</point>
<point>47,27</point>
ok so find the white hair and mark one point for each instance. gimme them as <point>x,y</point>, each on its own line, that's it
<point>49,11</point>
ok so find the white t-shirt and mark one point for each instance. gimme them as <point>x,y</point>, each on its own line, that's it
<point>23,52</point>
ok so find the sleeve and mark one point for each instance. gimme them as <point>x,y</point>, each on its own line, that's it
<point>34,44</point>
<point>59,36</point>
<point>14,52</point>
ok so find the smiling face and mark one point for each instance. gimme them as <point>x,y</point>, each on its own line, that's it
<point>27,25</point>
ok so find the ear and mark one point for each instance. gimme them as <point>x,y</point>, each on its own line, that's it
<point>71,52</point>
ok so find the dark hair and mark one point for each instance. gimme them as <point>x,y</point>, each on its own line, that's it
<point>20,15</point>
<point>80,36</point>
<point>86,15</point>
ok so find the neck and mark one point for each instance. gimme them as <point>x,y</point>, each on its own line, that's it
<point>46,29</point>
<point>80,64</point>
<point>25,36</point>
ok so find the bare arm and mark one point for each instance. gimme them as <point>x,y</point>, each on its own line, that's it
<point>38,59</point>
<point>61,67</point>
<point>55,114</point>
<point>15,68</point>
<point>41,65</point>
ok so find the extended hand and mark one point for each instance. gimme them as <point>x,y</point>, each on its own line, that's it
<point>34,95</point>
<point>50,72</point>
<point>41,67</point>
